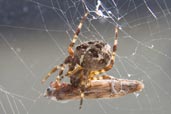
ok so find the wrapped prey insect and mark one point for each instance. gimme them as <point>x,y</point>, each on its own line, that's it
<point>98,88</point>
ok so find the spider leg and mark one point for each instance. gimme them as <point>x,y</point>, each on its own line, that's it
<point>103,77</point>
<point>69,73</point>
<point>61,67</point>
<point>60,76</point>
<point>112,58</point>
<point>81,100</point>
<point>75,37</point>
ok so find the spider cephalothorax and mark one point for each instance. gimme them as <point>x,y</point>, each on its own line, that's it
<point>89,59</point>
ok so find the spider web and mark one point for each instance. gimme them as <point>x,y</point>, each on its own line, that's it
<point>34,35</point>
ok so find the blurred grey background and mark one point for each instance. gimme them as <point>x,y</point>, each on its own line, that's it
<point>34,35</point>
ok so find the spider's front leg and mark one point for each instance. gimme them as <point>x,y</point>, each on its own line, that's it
<point>73,72</point>
<point>61,67</point>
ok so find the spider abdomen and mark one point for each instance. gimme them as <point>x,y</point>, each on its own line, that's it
<point>93,55</point>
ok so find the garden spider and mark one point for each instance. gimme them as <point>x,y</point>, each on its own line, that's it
<point>88,60</point>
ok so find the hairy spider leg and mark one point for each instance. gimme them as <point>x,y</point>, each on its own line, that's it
<point>83,85</point>
<point>60,76</point>
<point>78,68</point>
<point>75,37</point>
<point>61,67</point>
<point>103,77</point>
<point>81,100</point>
<point>112,58</point>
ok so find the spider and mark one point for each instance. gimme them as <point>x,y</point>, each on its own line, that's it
<point>88,60</point>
